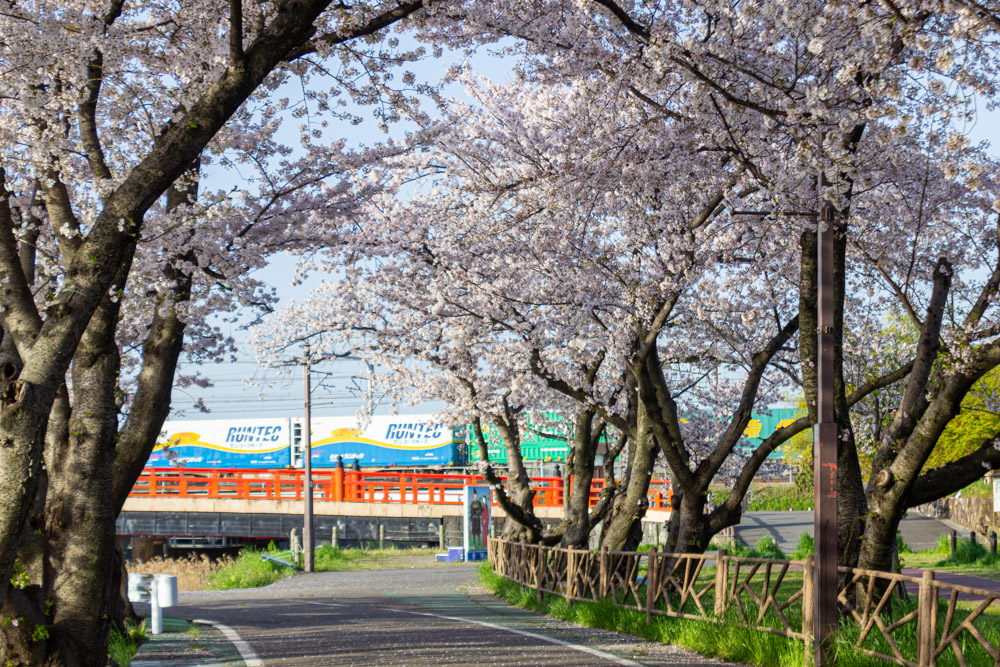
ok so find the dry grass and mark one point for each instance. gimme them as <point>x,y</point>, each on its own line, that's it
<point>192,571</point>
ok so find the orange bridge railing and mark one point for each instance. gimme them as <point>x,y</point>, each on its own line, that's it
<point>341,485</point>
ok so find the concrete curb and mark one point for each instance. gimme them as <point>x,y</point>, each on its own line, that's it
<point>193,644</point>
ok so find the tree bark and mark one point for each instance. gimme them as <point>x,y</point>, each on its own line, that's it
<point>577,522</point>
<point>622,527</point>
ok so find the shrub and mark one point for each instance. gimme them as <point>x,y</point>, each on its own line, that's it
<point>805,547</point>
<point>250,570</point>
<point>766,547</point>
<point>968,552</point>
<point>778,498</point>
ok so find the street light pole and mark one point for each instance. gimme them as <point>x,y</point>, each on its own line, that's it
<point>307,518</point>
<point>825,444</point>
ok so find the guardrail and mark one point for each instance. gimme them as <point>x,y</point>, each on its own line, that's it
<point>341,485</point>
<point>880,618</point>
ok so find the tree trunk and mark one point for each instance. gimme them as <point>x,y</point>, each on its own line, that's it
<point>688,531</point>
<point>577,522</point>
<point>622,528</point>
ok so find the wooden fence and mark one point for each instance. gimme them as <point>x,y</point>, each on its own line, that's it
<point>904,620</point>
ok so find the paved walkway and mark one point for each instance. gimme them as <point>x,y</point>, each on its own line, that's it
<point>956,579</point>
<point>413,617</point>
<point>919,532</point>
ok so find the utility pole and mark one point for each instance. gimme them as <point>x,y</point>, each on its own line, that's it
<point>825,444</point>
<point>307,515</point>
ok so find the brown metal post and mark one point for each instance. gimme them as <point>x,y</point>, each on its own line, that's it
<point>825,441</point>
<point>307,492</point>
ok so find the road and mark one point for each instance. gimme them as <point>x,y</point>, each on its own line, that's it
<point>408,617</point>
<point>919,532</point>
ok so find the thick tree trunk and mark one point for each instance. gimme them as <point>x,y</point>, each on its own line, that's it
<point>622,527</point>
<point>689,529</point>
<point>80,514</point>
<point>577,522</point>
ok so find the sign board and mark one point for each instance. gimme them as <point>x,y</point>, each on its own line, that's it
<point>477,502</point>
<point>386,441</point>
<point>996,493</point>
<point>223,443</point>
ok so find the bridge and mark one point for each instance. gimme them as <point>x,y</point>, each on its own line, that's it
<point>362,506</point>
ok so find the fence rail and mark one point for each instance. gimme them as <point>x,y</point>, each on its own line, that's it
<point>880,617</point>
<point>342,485</point>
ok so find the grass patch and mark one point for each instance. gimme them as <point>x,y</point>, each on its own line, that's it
<point>972,559</point>
<point>727,641</point>
<point>250,570</point>
<point>766,547</point>
<point>805,547</point>
<point>779,498</point>
<point>122,647</point>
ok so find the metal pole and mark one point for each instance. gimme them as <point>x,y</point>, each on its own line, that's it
<point>825,448</point>
<point>307,515</point>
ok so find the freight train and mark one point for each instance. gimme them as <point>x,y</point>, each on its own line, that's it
<point>414,441</point>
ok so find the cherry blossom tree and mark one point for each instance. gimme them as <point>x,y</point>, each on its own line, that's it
<point>114,254</point>
<point>800,89</point>
<point>617,166</point>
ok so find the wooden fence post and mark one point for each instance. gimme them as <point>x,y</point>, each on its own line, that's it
<point>721,583</point>
<point>953,540</point>
<point>604,572</point>
<point>540,560</point>
<point>570,575</point>
<point>808,607</point>
<point>522,552</point>
<point>650,583</point>
<point>926,620</point>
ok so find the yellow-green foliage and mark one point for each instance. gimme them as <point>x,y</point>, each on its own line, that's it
<point>974,423</point>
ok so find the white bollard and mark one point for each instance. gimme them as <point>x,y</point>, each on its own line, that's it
<point>159,590</point>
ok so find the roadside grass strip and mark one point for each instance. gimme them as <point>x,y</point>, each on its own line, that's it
<point>729,639</point>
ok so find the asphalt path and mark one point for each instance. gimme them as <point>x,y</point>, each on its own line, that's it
<point>919,532</point>
<point>407,617</point>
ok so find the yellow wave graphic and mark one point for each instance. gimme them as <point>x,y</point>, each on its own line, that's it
<point>194,440</point>
<point>353,435</point>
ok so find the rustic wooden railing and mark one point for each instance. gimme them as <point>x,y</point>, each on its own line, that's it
<point>904,620</point>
